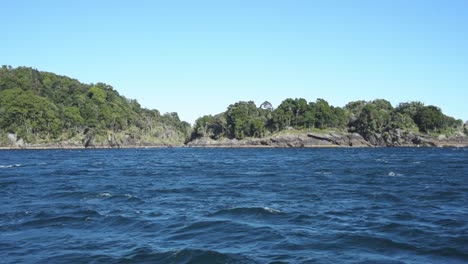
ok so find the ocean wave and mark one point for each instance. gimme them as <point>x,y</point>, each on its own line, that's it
<point>10,166</point>
<point>81,195</point>
<point>79,258</point>
<point>302,219</point>
<point>452,223</point>
<point>220,232</point>
<point>182,190</point>
<point>104,195</point>
<point>7,183</point>
<point>447,195</point>
<point>147,255</point>
<point>248,212</point>
<point>451,252</point>
<point>41,219</point>
<point>63,213</point>
<point>129,198</point>
<point>45,219</point>
<point>403,230</point>
<point>382,161</point>
<point>374,242</point>
<point>202,228</point>
<point>384,197</point>
<point>126,197</point>
<point>129,221</point>
<point>69,195</point>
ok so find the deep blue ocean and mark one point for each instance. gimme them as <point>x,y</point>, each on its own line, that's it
<point>183,205</point>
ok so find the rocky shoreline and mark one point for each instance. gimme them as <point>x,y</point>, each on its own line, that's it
<point>85,142</point>
<point>332,139</point>
<point>300,140</point>
<point>59,146</point>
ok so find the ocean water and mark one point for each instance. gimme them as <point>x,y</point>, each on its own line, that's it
<point>182,205</point>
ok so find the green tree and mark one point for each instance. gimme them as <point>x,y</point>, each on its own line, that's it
<point>243,119</point>
<point>44,105</point>
<point>26,113</point>
<point>372,120</point>
<point>355,108</point>
<point>429,119</point>
<point>290,114</point>
<point>324,115</point>
<point>72,117</point>
<point>402,121</point>
<point>409,108</point>
<point>283,115</point>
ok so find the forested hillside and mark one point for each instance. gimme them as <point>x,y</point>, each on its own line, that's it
<point>374,120</point>
<point>41,107</point>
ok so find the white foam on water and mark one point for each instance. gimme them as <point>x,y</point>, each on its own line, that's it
<point>10,166</point>
<point>105,195</point>
<point>271,210</point>
<point>323,172</point>
<point>383,160</point>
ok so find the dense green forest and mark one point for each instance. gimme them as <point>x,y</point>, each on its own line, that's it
<point>42,107</point>
<point>245,119</point>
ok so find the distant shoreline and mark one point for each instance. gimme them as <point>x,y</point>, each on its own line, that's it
<point>83,147</point>
<point>286,140</point>
<point>225,147</point>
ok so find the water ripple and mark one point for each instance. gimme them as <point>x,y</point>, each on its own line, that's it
<point>395,205</point>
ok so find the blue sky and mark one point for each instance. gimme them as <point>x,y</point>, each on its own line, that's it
<point>197,57</point>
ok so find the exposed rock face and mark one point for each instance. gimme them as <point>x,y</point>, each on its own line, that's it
<point>343,140</point>
<point>401,138</point>
<point>15,141</point>
<point>310,140</point>
<point>87,138</point>
<point>396,138</point>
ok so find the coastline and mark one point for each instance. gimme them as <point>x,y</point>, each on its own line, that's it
<point>333,140</point>
<point>300,140</point>
<point>72,147</point>
<point>220,147</point>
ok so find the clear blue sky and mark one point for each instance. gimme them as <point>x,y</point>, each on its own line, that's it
<point>197,57</point>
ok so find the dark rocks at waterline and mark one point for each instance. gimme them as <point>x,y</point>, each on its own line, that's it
<point>395,138</point>
<point>306,140</point>
<point>88,138</point>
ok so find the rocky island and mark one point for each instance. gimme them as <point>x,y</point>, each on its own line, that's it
<point>45,110</point>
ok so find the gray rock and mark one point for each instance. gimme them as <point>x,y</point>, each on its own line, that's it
<point>393,138</point>
<point>15,141</point>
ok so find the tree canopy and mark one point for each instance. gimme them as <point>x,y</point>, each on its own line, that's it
<point>44,106</point>
<point>245,119</point>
